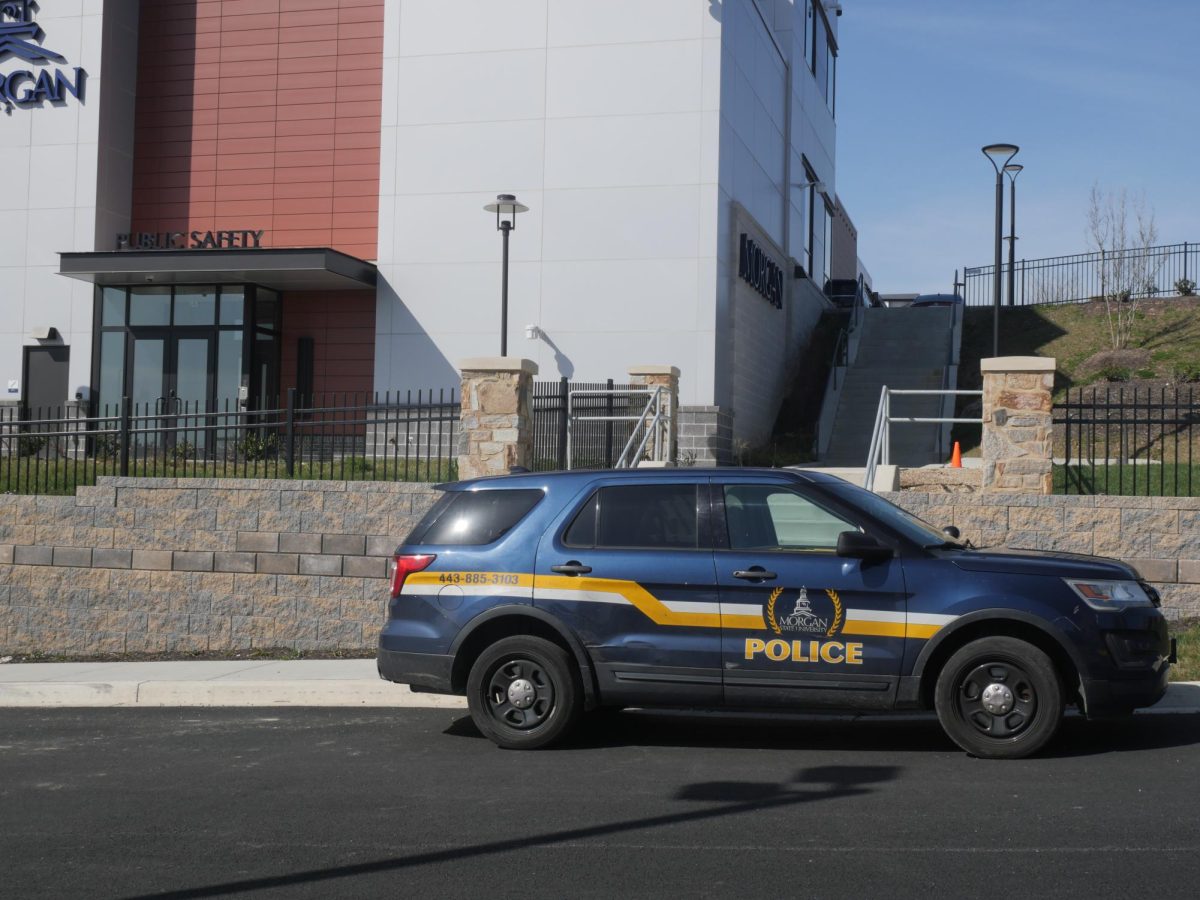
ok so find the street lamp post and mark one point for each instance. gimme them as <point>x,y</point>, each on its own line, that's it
<point>995,153</point>
<point>1012,170</point>
<point>506,208</point>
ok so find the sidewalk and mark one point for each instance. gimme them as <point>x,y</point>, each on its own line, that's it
<point>318,682</point>
<point>315,682</point>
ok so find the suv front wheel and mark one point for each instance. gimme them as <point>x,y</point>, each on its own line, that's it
<point>999,698</point>
<point>524,692</point>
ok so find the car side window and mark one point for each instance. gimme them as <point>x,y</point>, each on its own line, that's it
<point>775,517</point>
<point>642,516</point>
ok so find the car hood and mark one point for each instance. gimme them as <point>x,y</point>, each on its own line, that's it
<point>1042,562</point>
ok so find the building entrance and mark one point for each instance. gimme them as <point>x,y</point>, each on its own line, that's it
<point>179,353</point>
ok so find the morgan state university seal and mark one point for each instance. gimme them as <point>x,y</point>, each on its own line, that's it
<point>803,619</point>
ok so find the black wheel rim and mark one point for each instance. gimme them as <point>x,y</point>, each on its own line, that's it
<point>520,693</point>
<point>997,699</point>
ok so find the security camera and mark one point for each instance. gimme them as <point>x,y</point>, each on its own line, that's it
<point>83,394</point>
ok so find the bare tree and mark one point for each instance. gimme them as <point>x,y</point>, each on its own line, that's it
<point>1128,266</point>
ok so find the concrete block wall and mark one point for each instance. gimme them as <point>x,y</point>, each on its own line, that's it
<point>150,565</point>
<point>1160,536</point>
<point>705,436</point>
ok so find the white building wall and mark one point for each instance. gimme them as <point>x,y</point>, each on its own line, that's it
<point>763,70</point>
<point>630,129</point>
<point>50,156</point>
<point>601,117</point>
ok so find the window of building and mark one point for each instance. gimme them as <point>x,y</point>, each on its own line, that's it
<point>820,50</point>
<point>810,208</point>
<point>827,256</point>
<point>643,516</point>
<point>184,348</point>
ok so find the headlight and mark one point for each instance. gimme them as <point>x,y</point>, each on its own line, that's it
<point>1109,595</point>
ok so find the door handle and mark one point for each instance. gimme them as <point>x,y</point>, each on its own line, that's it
<point>571,568</point>
<point>755,573</point>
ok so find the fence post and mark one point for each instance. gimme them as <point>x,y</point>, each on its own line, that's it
<point>1018,440</point>
<point>497,415</point>
<point>608,424</point>
<point>564,388</point>
<point>123,437</point>
<point>290,433</point>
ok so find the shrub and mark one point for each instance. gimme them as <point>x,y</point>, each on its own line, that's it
<point>1113,373</point>
<point>1185,287</point>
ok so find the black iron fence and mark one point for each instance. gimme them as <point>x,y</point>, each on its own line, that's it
<point>395,436</point>
<point>1127,441</point>
<point>1163,271</point>
<point>596,441</point>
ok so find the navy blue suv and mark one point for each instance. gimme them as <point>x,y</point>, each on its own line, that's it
<point>540,596</point>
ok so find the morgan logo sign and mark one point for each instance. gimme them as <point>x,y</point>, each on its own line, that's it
<point>21,39</point>
<point>760,271</point>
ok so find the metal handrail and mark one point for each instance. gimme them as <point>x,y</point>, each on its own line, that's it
<point>654,408</point>
<point>879,452</point>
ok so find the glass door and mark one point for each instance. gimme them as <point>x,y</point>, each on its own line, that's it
<point>171,378</point>
<point>190,389</point>
<point>148,389</point>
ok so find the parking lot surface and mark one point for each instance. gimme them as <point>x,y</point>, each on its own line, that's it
<point>413,802</point>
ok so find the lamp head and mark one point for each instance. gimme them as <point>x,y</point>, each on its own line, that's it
<point>1000,154</point>
<point>1013,170</point>
<point>506,208</point>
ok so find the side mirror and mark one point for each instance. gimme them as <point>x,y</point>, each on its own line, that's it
<point>952,532</point>
<point>856,545</point>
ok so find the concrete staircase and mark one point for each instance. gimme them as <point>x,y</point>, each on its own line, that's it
<point>900,348</point>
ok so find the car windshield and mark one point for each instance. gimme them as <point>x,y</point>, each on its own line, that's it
<point>916,530</point>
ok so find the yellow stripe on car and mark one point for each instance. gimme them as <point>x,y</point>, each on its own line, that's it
<point>573,588</point>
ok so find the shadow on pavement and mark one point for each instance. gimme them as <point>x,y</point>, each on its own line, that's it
<point>810,785</point>
<point>662,728</point>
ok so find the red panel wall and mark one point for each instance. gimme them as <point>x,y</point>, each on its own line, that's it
<point>342,326</point>
<point>261,114</point>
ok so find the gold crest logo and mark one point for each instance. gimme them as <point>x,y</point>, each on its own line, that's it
<point>803,618</point>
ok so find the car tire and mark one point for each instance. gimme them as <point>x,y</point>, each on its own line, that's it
<point>524,693</point>
<point>999,698</point>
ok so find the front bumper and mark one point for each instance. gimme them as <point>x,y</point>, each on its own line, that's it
<point>423,672</point>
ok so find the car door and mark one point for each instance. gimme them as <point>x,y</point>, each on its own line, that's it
<point>629,568</point>
<point>801,625</point>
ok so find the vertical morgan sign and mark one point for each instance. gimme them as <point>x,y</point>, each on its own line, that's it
<point>37,79</point>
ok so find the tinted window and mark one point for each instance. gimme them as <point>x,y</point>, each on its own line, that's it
<point>643,516</point>
<point>582,532</point>
<point>473,517</point>
<point>773,517</point>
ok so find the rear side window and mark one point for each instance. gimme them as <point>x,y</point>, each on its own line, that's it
<point>643,516</point>
<point>473,517</point>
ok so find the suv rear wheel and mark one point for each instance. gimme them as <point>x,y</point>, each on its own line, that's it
<point>524,692</point>
<point>999,698</point>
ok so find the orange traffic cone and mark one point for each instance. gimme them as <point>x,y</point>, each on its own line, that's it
<point>956,457</point>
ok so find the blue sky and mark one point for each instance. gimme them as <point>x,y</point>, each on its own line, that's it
<point>1093,91</point>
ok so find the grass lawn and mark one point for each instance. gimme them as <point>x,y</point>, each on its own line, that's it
<point>1188,635</point>
<point>1167,480</point>
<point>1165,345</point>
<point>25,475</point>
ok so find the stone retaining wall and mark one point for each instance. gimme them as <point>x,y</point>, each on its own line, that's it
<point>1158,535</point>
<point>148,565</point>
<point>153,565</point>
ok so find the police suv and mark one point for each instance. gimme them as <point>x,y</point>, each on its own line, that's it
<point>540,596</point>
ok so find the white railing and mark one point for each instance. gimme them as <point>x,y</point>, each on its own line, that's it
<point>650,439</point>
<point>880,451</point>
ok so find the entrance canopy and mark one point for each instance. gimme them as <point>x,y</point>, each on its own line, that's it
<point>305,269</point>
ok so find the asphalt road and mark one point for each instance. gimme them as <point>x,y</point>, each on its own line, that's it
<point>413,803</point>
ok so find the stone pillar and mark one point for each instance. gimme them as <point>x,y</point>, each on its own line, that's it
<point>497,415</point>
<point>668,435</point>
<point>1017,431</point>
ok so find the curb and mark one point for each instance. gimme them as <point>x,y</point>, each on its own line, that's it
<point>326,692</point>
